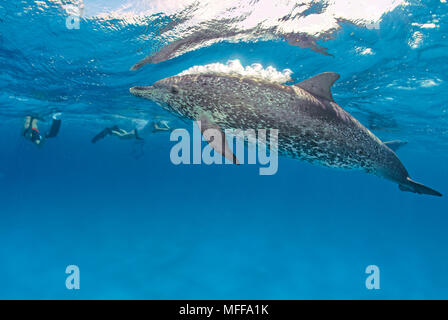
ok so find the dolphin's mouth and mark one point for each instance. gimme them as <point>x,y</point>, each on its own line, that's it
<point>138,91</point>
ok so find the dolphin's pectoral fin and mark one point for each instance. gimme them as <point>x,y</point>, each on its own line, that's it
<point>320,85</point>
<point>394,145</point>
<point>216,138</point>
<point>412,186</point>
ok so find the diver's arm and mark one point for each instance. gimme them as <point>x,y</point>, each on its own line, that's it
<point>118,133</point>
<point>156,126</point>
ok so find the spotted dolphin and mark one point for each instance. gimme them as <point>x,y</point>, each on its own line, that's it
<point>311,125</point>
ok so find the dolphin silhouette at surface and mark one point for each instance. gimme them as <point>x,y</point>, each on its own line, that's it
<point>311,126</point>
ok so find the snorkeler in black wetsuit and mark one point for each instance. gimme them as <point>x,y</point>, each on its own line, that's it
<point>161,125</point>
<point>116,131</point>
<point>31,130</point>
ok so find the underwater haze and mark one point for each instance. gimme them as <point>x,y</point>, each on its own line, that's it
<point>140,227</point>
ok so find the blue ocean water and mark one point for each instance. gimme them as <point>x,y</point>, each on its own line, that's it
<point>140,227</point>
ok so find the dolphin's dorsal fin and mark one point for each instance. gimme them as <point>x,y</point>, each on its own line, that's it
<point>320,85</point>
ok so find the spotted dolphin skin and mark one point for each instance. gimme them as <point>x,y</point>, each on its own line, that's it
<point>311,126</point>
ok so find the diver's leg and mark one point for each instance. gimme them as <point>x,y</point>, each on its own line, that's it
<point>26,125</point>
<point>119,133</point>
<point>34,124</point>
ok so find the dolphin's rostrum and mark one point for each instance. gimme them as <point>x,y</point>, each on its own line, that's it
<point>311,126</point>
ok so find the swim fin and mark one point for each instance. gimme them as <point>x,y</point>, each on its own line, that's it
<point>101,135</point>
<point>54,130</point>
<point>136,135</point>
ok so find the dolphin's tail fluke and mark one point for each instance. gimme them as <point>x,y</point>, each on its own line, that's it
<point>412,186</point>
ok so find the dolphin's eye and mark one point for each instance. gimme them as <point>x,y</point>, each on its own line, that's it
<point>174,89</point>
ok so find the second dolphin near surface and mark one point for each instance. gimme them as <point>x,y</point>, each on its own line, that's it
<point>311,125</point>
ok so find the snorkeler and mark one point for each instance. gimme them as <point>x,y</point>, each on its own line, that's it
<point>161,125</point>
<point>31,130</point>
<point>116,131</point>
